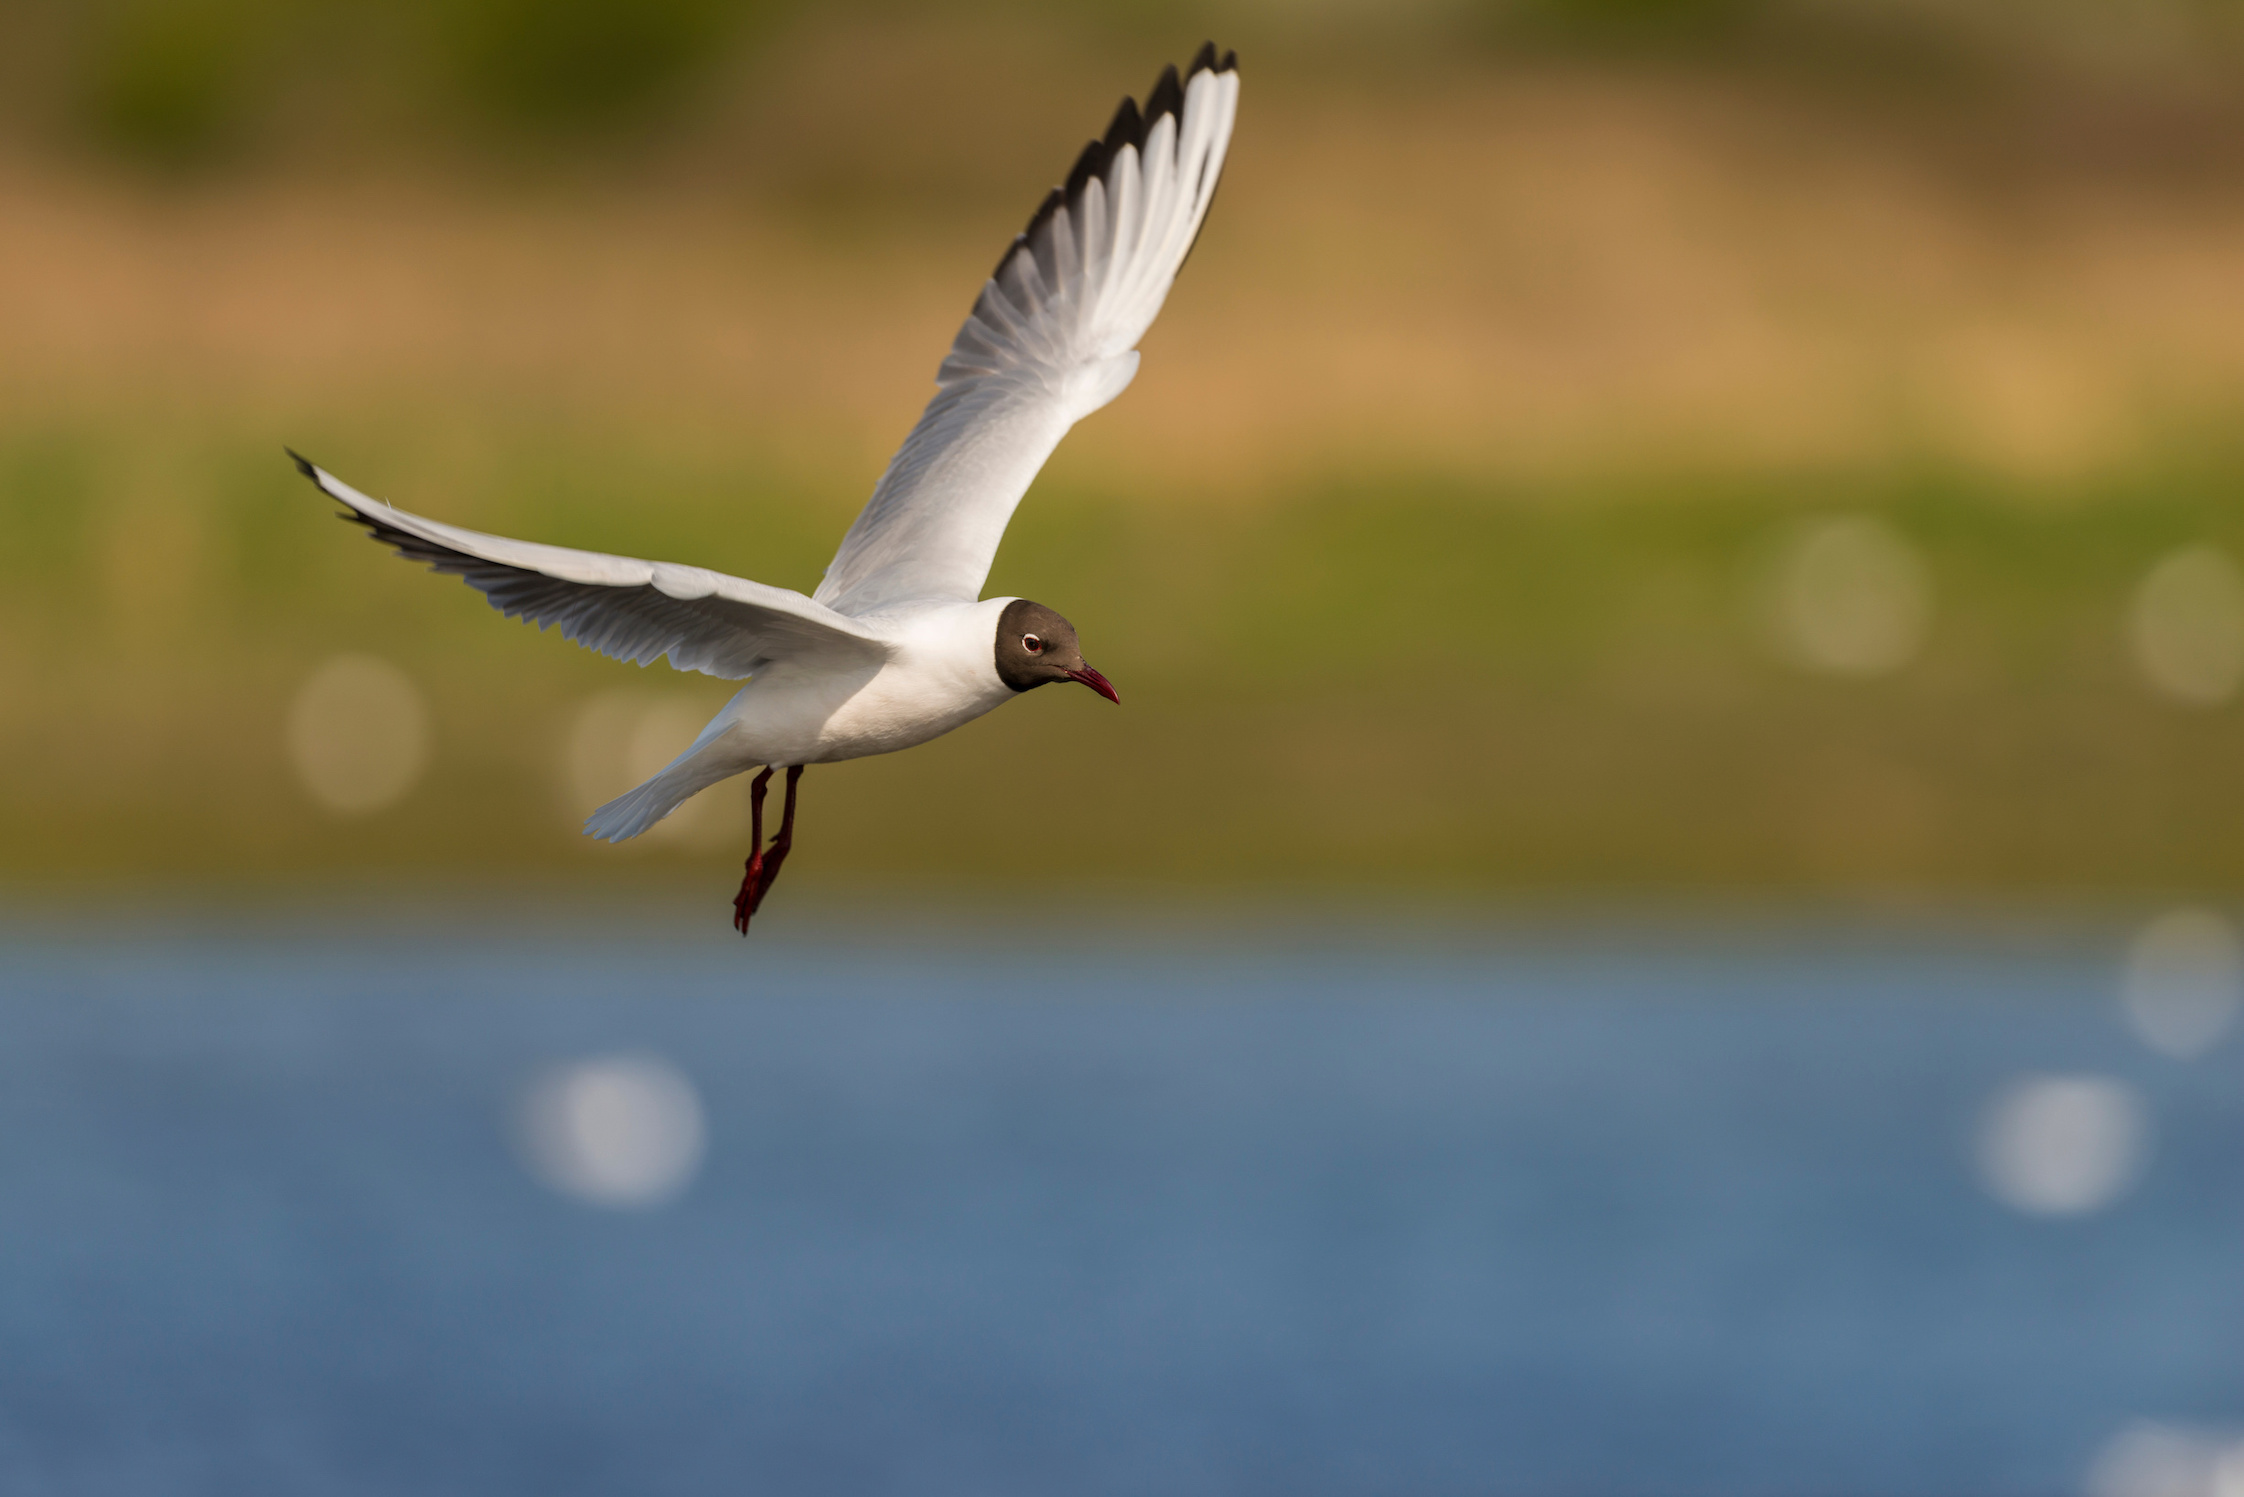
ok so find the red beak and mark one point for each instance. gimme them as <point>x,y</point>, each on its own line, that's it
<point>1096,682</point>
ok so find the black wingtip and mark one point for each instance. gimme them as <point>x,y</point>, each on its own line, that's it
<point>1053,202</point>
<point>1130,127</point>
<point>303,464</point>
<point>1093,162</point>
<point>1167,96</point>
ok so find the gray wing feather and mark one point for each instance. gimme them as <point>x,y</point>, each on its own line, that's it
<point>1052,338</point>
<point>633,610</point>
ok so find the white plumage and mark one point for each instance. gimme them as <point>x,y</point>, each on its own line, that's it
<point>1052,338</point>
<point>894,648</point>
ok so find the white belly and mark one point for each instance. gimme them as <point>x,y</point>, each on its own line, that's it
<point>943,676</point>
<point>895,710</point>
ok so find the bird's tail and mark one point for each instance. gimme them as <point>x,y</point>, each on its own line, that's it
<point>686,776</point>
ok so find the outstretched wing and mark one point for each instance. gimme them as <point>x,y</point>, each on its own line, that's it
<point>633,610</point>
<point>1053,337</point>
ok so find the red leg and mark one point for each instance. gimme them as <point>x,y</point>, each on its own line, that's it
<point>780,845</point>
<point>744,903</point>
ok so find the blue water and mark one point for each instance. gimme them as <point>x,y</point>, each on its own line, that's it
<point>1576,1214</point>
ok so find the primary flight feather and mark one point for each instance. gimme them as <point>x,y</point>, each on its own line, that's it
<point>897,646</point>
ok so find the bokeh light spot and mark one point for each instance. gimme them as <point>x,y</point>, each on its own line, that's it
<point>2062,1145</point>
<point>622,1131</point>
<point>2184,982</point>
<point>619,739</point>
<point>357,734</point>
<point>2188,626</point>
<point>1851,598</point>
<point>2150,1459</point>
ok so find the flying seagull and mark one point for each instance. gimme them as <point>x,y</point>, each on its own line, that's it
<point>897,646</point>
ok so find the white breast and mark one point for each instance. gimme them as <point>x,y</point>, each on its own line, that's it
<point>943,674</point>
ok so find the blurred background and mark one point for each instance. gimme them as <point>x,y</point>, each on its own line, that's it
<point>1658,919</point>
<point>1760,446</point>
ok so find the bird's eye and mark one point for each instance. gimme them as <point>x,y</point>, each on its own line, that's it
<point>1032,644</point>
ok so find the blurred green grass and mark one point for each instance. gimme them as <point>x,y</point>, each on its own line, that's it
<point>189,84</point>
<point>1417,679</point>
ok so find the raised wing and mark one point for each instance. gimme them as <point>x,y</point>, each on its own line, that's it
<point>633,610</point>
<point>1052,338</point>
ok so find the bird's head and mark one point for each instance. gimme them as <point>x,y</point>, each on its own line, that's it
<point>1036,647</point>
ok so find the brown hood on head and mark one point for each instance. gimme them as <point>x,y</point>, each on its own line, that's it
<point>1036,647</point>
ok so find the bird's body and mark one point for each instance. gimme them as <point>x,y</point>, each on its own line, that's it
<point>940,675</point>
<point>897,646</point>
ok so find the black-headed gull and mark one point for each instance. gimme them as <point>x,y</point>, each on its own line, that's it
<point>897,646</point>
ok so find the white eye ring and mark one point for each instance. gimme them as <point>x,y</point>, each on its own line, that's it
<point>1032,644</point>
